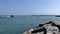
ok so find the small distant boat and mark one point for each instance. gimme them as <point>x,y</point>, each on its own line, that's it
<point>57,16</point>
<point>7,16</point>
<point>11,15</point>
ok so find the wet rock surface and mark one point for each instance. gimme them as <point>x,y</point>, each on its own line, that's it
<point>47,28</point>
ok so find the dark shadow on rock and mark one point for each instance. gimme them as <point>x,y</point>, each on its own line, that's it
<point>54,33</point>
<point>40,30</point>
<point>49,22</point>
<point>53,24</point>
<point>40,25</point>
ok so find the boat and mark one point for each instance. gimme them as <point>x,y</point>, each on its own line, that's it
<point>11,15</point>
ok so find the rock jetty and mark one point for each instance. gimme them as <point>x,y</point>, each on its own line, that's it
<point>47,28</point>
<point>57,16</point>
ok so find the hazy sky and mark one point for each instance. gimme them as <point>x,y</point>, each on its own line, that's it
<point>29,7</point>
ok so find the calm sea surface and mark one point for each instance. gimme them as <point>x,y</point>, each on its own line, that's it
<point>19,23</point>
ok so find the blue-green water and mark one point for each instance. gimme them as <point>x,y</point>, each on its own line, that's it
<point>19,23</point>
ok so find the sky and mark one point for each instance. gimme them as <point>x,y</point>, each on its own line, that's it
<point>29,7</point>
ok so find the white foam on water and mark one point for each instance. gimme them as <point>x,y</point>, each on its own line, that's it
<point>8,16</point>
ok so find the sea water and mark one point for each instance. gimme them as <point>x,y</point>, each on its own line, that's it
<point>21,23</point>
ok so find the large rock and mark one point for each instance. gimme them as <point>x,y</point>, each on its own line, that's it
<point>47,28</point>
